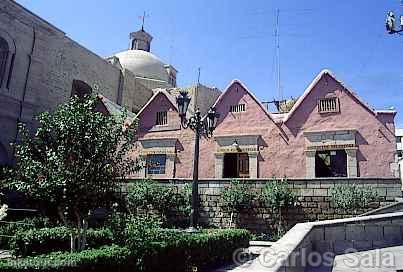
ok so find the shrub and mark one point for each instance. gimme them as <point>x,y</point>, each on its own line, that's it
<point>182,251</point>
<point>147,195</point>
<point>277,195</point>
<point>104,259</point>
<point>351,196</point>
<point>39,241</point>
<point>237,197</point>
<point>9,229</point>
<point>168,250</point>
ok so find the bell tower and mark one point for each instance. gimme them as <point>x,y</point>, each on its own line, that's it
<point>140,40</point>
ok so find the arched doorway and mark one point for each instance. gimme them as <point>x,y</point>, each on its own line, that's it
<point>80,89</point>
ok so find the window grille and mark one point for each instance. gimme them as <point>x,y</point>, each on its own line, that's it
<point>328,105</point>
<point>162,118</point>
<point>237,108</point>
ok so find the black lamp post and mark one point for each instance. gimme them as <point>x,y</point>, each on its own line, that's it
<point>201,127</point>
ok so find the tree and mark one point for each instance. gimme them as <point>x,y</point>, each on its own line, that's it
<point>75,160</point>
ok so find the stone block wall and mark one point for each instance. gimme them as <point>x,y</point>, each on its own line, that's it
<point>314,201</point>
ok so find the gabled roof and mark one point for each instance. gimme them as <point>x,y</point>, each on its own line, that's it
<point>115,109</point>
<point>312,86</point>
<point>157,92</point>
<point>236,81</point>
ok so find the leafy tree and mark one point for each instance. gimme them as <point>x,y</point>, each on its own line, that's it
<point>278,196</point>
<point>74,160</point>
<point>237,197</point>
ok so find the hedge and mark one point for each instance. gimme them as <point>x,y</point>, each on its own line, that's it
<point>169,251</point>
<point>103,259</point>
<point>45,240</point>
<point>182,251</point>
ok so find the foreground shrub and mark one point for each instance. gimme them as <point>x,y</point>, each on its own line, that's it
<point>351,196</point>
<point>9,229</point>
<point>188,251</point>
<point>39,241</point>
<point>104,259</point>
<point>166,250</point>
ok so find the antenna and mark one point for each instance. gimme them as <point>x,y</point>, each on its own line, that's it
<point>277,40</point>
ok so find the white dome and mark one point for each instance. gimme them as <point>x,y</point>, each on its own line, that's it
<point>143,63</point>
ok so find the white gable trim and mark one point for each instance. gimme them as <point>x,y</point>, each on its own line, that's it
<point>312,86</point>
<point>159,91</point>
<point>227,89</point>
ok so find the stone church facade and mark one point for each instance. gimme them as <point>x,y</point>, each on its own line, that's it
<point>41,67</point>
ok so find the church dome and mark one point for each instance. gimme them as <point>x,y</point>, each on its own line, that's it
<point>143,63</point>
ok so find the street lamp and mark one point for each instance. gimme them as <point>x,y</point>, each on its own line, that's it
<point>201,127</point>
<point>390,23</point>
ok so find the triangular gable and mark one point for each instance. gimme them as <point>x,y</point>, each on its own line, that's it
<point>163,92</point>
<point>114,109</point>
<point>313,85</point>
<point>227,89</point>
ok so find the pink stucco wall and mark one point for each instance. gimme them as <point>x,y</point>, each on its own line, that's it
<point>281,145</point>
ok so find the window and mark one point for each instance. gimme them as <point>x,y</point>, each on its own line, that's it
<point>326,105</point>
<point>331,163</point>
<point>398,139</point>
<point>237,108</point>
<point>4,51</point>
<point>156,164</point>
<point>162,118</point>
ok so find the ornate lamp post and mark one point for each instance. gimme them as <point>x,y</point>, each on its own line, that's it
<point>201,127</point>
<point>391,21</point>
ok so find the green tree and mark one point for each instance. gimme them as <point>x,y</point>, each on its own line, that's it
<point>74,161</point>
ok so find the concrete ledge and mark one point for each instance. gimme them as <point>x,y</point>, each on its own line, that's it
<point>335,236</point>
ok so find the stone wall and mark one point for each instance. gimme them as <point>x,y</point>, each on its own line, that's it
<point>314,201</point>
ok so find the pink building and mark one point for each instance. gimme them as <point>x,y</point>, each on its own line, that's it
<point>328,132</point>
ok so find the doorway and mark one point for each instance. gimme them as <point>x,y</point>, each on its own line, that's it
<point>331,163</point>
<point>236,165</point>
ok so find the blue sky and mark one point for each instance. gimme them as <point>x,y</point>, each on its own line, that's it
<point>235,39</point>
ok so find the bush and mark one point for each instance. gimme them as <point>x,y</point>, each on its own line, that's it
<point>351,196</point>
<point>149,195</point>
<point>10,229</point>
<point>237,197</point>
<point>278,196</point>
<point>39,241</point>
<point>183,251</point>
<point>104,259</point>
<point>167,250</point>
